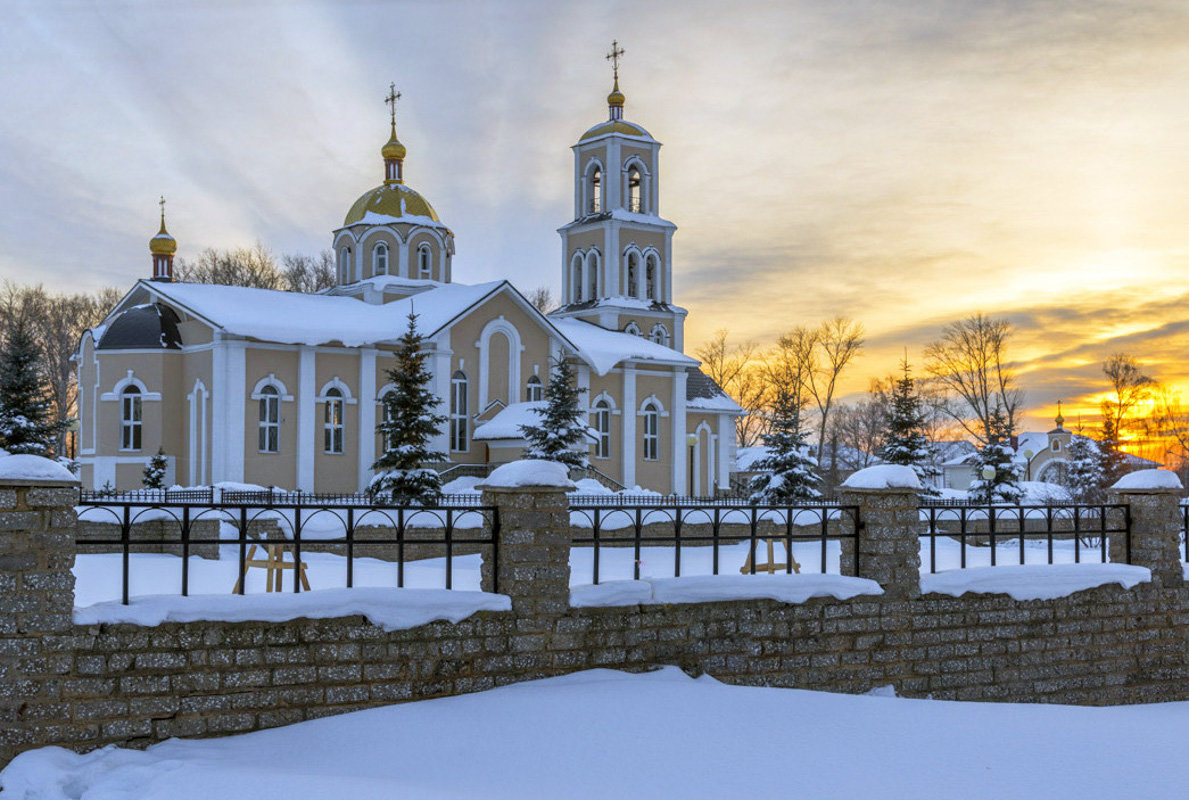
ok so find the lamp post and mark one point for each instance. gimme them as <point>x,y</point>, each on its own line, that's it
<point>692,440</point>
<point>988,474</point>
<point>1028,454</point>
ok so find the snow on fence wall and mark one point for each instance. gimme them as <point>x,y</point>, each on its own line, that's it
<point>81,682</point>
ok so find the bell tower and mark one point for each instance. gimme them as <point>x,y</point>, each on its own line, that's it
<point>162,247</point>
<point>617,252</point>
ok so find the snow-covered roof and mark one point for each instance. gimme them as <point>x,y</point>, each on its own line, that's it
<point>313,319</point>
<point>508,423</point>
<point>604,349</point>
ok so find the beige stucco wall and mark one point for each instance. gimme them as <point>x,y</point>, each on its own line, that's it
<point>655,474</point>
<point>280,468</point>
<point>337,472</point>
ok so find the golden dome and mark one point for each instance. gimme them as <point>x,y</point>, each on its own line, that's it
<point>393,149</point>
<point>616,98</point>
<point>163,244</point>
<point>391,200</point>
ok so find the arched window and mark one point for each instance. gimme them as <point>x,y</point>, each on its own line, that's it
<point>533,390</point>
<point>269,425</point>
<point>332,422</point>
<point>635,201</point>
<point>424,262</point>
<point>458,412</point>
<point>576,279</point>
<point>651,279</point>
<point>596,191</point>
<point>659,334</point>
<point>592,275</point>
<point>632,328</point>
<point>652,432</point>
<point>601,422</point>
<point>380,259</point>
<point>344,264</point>
<point>633,276</point>
<point>131,418</point>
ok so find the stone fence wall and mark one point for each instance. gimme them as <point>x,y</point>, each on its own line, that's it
<point>86,686</point>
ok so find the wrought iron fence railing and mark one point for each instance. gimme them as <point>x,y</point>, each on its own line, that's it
<point>671,532</point>
<point>284,529</point>
<point>959,536</point>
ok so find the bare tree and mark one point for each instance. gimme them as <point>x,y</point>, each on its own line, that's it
<point>309,274</point>
<point>1130,389</point>
<point>542,299</point>
<point>789,364</point>
<point>252,266</point>
<point>838,341</point>
<point>737,371</point>
<point>970,362</point>
<point>860,427</point>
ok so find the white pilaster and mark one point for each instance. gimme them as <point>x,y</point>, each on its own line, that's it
<point>367,414</point>
<point>726,438</point>
<point>613,263</point>
<point>219,421</point>
<point>402,260</point>
<point>306,408</point>
<point>236,394</point>
<point>680,448</point>
<point>630,445</point>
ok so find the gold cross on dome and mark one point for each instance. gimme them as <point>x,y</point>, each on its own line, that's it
<point>161,203</point>
<point>613,57</point>
<point>393,96</point>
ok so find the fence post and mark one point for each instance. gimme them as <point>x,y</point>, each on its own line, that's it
<point>37,550</point>
<point>533,562</point>
<point>889,540</point>
<point>1153,496</point>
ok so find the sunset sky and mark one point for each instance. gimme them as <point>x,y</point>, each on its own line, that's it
<point>905,164</point>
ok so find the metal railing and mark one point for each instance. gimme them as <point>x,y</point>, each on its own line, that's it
<point>1069,533</point>
<point>429,532</point>
<point>683,526</point>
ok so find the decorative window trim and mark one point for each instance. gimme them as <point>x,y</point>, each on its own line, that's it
<point>273,381</point>
<point>266,428</point>
<point>425,273</point>
<point>515,350</point>
<point>132,428</point>
<point>378,249</point>
<point>335,383</point>
<point>385,389</point>
<point>534,386</point>
<point>602,407</point>
<point>652,398</point>
<point>632,329</point>
<point>126,381</point>
<point>329,428</point>
<point>459,431</point>
<point>609,400</point>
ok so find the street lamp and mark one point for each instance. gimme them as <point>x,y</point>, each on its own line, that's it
<point>692,440</point>
<point>988,474</point>
<point>1028,454</point>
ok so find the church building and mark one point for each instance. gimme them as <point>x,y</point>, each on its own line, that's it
<point>285,389</point>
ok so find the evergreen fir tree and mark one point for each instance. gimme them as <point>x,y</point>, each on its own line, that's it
<point>904,441</point>
<point>154,471</point>
<point>409,423</point>
<point>561,434</point>
<point>787,474</point>
<point>1114,464</point>
<point>1086,476</point>
<point>25,426</point>
<point>998,453</point>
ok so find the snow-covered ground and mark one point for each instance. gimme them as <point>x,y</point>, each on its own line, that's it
<point>604,734</point>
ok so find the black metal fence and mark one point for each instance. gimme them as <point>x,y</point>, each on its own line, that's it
<point>1077,531</point>
<point>408,533</point>
<point>687,524</point>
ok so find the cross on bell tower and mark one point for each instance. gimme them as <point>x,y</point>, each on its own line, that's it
<point>162,247</point>
<point>616,99</point>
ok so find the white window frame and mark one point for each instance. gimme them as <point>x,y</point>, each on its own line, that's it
<point>268,439</point>
<point>534,390</point>
<point>131,418</point>
<point>380,259</point>
<point>650,431</point>
<point>424,262</point>
<point>459,410</point>
<point>601,422</point>
<point>333,422</point>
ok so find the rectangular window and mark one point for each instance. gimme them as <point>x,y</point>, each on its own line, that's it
<point>332,431</point>
<point>131,421</point>
<point>458,413</point>
<point>652,434</point>
<point>602,425</point>
<point>270,423</point>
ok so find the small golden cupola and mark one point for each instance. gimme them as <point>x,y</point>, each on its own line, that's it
<point>163,246</point>
<point>616,99</point>
<point>393,151</point>
<point>1060,420</point>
